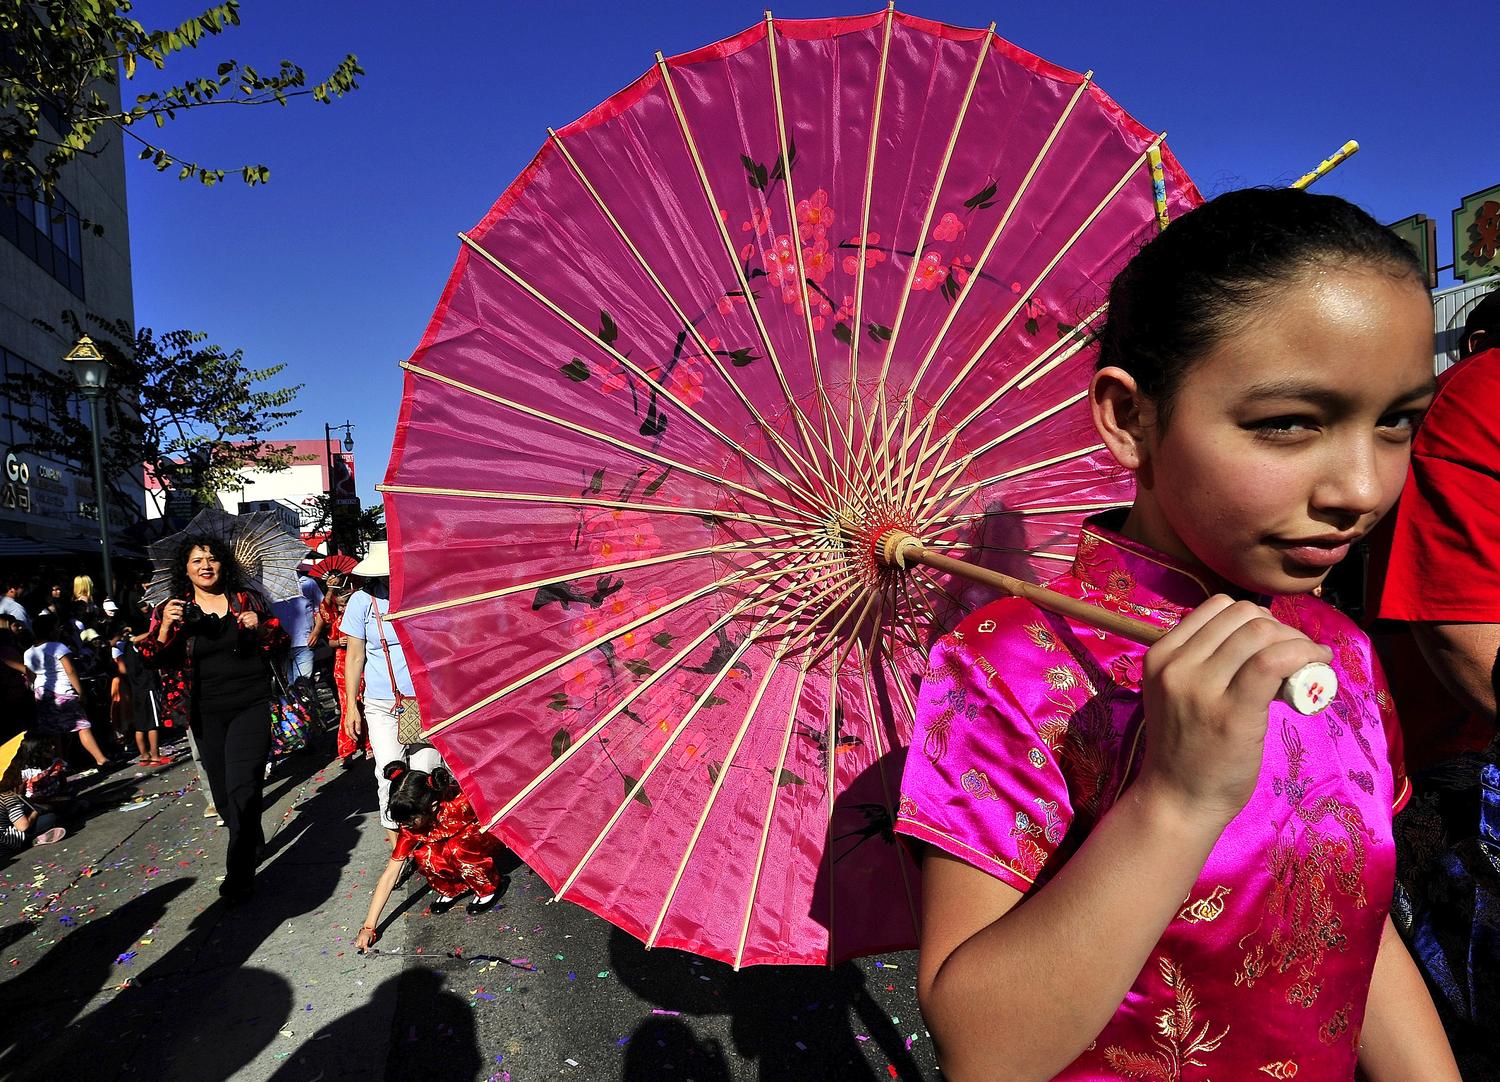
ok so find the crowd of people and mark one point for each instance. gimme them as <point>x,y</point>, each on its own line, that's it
<point>218,665</point>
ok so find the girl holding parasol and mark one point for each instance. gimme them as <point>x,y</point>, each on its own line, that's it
<point>1205,873</point>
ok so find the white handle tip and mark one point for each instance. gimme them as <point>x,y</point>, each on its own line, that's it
<point>1310,689</point>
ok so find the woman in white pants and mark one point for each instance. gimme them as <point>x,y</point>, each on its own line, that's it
<point>374,654</point>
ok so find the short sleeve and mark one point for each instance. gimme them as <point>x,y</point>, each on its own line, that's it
<point>980,783</point>
<point>312,592</point>
<point>356,612</point>
<point>1444,563</point>
<point>407,843</point>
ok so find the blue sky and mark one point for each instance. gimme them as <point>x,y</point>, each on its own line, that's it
<point>335,266</point>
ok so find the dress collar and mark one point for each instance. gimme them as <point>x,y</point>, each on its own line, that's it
<point>1135,578</point>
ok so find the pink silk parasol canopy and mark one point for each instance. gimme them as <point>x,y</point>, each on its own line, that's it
<point>780,294</point>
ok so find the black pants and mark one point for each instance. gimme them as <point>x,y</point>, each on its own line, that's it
<point>233,745</point>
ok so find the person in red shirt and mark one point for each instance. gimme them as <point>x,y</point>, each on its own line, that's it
<point>1439,635</point>
<point>1441,575</point>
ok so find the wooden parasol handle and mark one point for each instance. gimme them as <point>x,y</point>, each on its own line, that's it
<point>1309,690</point>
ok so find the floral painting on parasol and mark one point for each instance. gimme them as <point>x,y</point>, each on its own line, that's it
<point>819,284</point>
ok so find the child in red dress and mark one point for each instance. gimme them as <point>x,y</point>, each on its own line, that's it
<point>440,832</point>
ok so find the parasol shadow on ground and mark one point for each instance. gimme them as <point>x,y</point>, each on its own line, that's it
<point>788,1021</point>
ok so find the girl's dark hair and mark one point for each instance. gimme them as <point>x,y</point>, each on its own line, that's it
<point>48,627</point>
<point>1196,282</point>
<point>230,573</point>
<point>38,750</point>
<point>414,793</point>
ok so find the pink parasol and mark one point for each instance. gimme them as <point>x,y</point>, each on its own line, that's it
<point>777,298</point>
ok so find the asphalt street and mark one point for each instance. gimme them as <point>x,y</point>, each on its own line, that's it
<point>119,962</point>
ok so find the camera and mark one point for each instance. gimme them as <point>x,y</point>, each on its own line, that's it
<point>192,614</point>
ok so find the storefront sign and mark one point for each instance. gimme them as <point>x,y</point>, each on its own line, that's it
<point>1420,232</point>
<point>16,495</point>
<point>1476,236</point>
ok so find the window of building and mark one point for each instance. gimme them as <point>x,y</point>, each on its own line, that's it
<point>13,415</point>
<point>49,234</point>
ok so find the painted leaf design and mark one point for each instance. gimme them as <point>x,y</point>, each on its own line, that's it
<point>560,594</point>
<point>608,330</point>
<point>786,777</point>
<point>640,794</point>
<point>650,489</point>
<point>759,175</point>
<point>982,197</point>
<point>562,740</point>
<point>576,370</point>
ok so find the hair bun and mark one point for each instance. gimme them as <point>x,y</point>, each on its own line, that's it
<point>394,770</point>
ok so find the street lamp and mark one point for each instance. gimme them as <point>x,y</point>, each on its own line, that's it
<point>328,430</point>
<point>91,371</point>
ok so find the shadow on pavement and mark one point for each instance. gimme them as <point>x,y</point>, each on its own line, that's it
<point>438,1046</point>
<point>41,1002</point>
<point>793,1022</point>
<point>665,1048</point>
<point>199,1012</point>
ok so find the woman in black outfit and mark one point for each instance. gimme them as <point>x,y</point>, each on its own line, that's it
<point>212,640</point>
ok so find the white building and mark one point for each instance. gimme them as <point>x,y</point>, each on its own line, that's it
<point>291,491</point>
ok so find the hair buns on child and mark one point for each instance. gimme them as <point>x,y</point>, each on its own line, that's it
<point>394,770</point>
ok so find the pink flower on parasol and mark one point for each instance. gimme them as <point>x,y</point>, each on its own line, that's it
<point>693,722</point>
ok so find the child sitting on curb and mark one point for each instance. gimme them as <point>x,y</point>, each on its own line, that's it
<point>21,824</point>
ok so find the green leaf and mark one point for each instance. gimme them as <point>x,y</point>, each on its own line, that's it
<point>714,700</point>
<point>786,777</point>
<point>714,770</point>
<point>596,483</point>
<point>639,668</point>
<point>663,639</point>
<point>561,740</point>
<point>1032,326</point>
<point>879,332</point>
<point>608,331</point>
<point>842,332</point>
<point>576,370</point>
<point>640,794</point>
<point>1065,329</point>
<point>742,357</point>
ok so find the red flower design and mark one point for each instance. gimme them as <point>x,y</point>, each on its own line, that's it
<point>873,255</point>
<point>814,215</point>
<point>948,228</point>
<point>931,271</point>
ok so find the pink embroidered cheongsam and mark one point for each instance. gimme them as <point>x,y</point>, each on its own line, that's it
<point>1030,725</point>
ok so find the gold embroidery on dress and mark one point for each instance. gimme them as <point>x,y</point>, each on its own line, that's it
<point>1041,636</point>
<point>1061,677</point>
<point>1178,1036</point>
<point>1282,1068</point>
<point>1205,910</point>
<point>1310,877</point>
